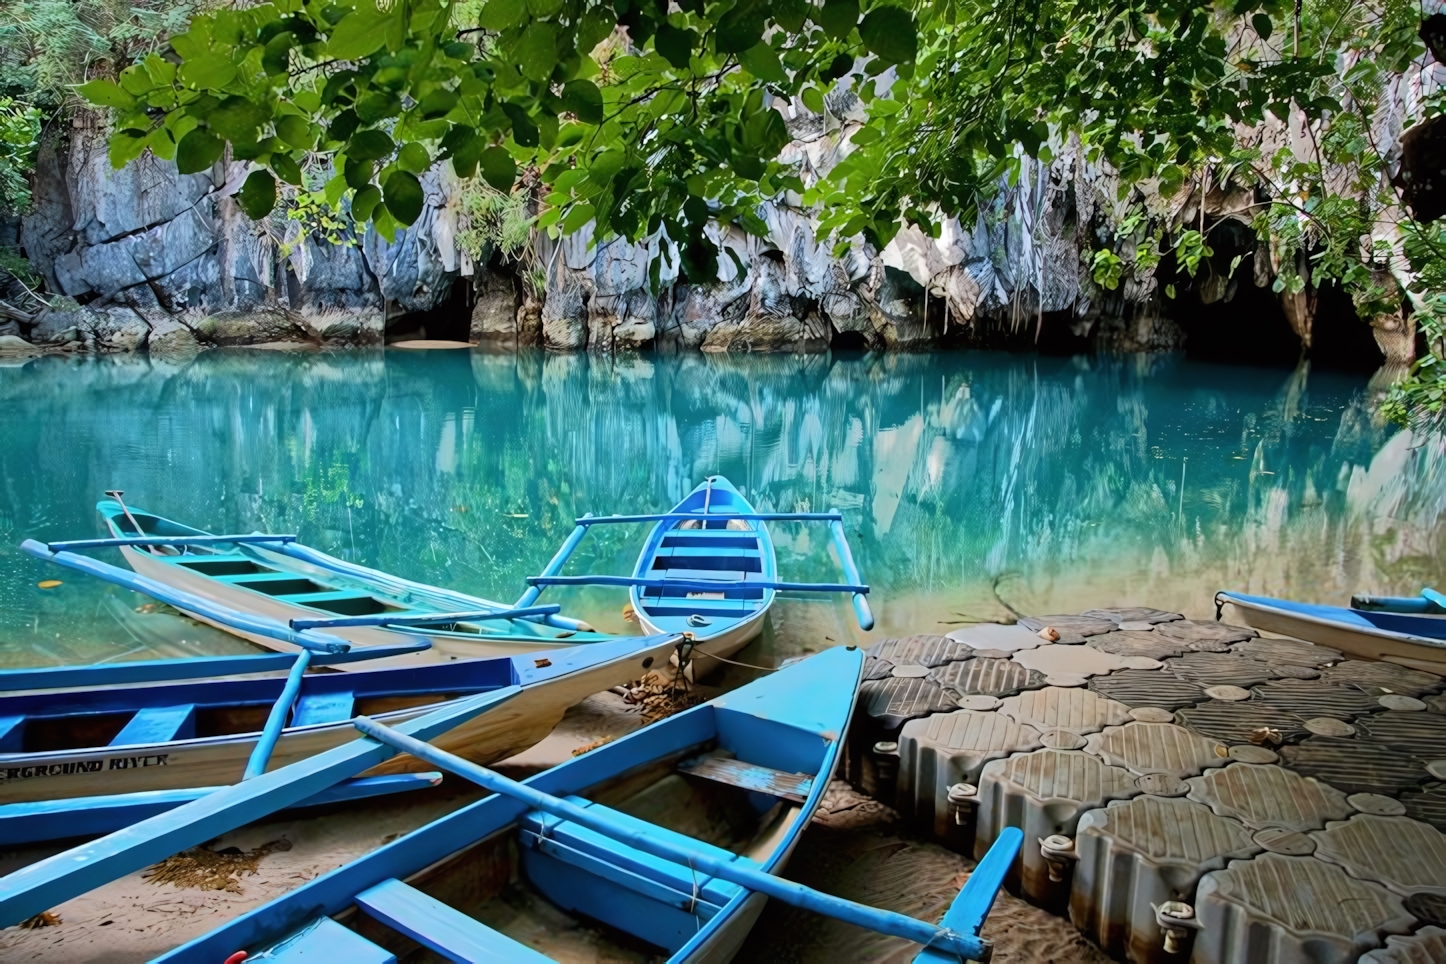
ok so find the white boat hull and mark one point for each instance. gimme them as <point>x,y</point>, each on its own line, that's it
<point>501,732</point>
<point>1414,652</point>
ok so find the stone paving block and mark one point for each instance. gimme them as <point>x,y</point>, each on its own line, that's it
<point>1263,796</point>
<point>1136,643</point>
<point>1291,910</point>
<point>1295,651</point>
<point>1077,625</point>
<point>875,668</point>
<point>1401,854</point>
<point>1144,687</point>
<point>986,677</point>
<point>1190,631</point>
<point>1055,707</point>
<point>1134,614</point>
<point>1309,699</point>
<point>1043,793</point>
<point>1428,806</point>
<point>1386,677</point>
<point>893,702</point>
<point>949,748</point>
<point>1426,946</point>
<point>1142,852</point>
<point>1355,766</point>
<point>1242,722</point>
<point>992,636</point>
<point>1077,661</point>
<point>1419,734</point>
<point>1215,669</point>
<point>1157,748</point>
<point>924,650</point>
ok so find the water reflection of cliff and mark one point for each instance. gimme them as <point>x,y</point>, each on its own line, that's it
<point>1066,482</point>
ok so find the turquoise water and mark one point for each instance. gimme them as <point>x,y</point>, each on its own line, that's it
<point>971,482</point>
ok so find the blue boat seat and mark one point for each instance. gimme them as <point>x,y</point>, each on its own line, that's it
<point>12,734</point>
<point>324,941</point>
<point>659,900</point>
<point>323,708</point>
<point>158,724</point>
<point>443,929</point>
<point>341,602</point>
<point>723,561</point>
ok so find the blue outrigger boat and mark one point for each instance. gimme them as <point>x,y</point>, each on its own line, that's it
<point>1408,630</point>
<point>671,839</point>
<point>707,569</point>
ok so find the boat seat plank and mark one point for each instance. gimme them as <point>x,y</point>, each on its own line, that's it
<point>12,734</point>
<point>722,562</point>
<point>707,539</point>
<point>751,776</point>
<point>158,724</point>
<point>323,708</point>
<point>324,941</point>
<point>445,930</point>
<point>253,580</point>
<point>676,877</point>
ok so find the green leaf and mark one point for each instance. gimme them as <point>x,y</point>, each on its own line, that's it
<point>865,136</point>
<point>498,168</point>
<point>466,154</point>
<point>596,26</point>
<point>211,72</point>
<point>237,119</point>
<point>413,157</point>
<point>544,8</point>
<point>675,44</point>
<point>377,105</point>
<point>370,146</point>
<point>812,99</point>
<point>404,196</point>
<point>136,80</point>
<point>500,15</point>
<point>276,59</point>
<point>536,52</point>
<point>197,151</point>
<point>762,61</point>
<point>258,195</point>
<point>837,18</point>
<point>286,168</point>
<point>577,217</point>
<point>583,98</point>
<point>841,65</point>
<point>791,14</point>
<point>162,144</point>
<point>106,93</point>
<point>364,202</point>
<point>126,146</point>
<point>334,189</point>
<point>890,34</point>
<point>385,224</point>
<point>1262,25</point>
<point>741,27</point>
<point>438,103</point>
<point>295,132</point>
<point>360,33</point>
<point>524,130</point>
<point>358,173</point>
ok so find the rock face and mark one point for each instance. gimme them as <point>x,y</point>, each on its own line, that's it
<point>159,260</point>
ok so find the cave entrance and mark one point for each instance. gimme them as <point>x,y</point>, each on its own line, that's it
<point>449,321</point>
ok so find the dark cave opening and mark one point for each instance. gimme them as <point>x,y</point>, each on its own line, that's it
<point>449,321</point>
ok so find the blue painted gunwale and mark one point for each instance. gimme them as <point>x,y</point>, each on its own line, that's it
<point>409,599</point>
<point>36,822</point>
<point>667,608</point>
<point>809,703</point>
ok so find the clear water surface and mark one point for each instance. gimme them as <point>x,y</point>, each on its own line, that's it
<point>971,482</point>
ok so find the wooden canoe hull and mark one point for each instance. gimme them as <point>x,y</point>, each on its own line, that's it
<point>505,730</point>
<point>1366,642</point>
